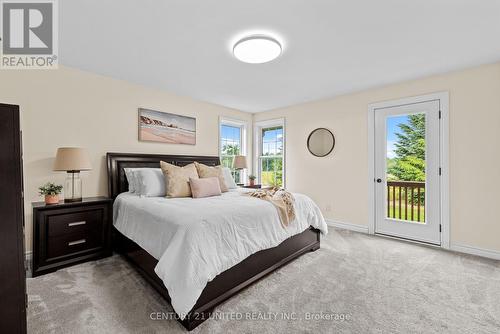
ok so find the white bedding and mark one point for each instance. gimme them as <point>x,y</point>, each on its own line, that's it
<point>194,240</point>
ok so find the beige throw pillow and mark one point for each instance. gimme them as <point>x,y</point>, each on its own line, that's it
<point>205,187</point>
<point>205,171</point>
<point>177,179</point>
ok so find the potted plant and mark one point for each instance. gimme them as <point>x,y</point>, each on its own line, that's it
<point>51,192</point>
<point>251,179</point>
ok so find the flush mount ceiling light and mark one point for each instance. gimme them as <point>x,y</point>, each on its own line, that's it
<point>257,49</point>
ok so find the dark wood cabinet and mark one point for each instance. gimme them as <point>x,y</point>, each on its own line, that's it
<point>65,234</point>
<point>255,186</point>
<point>12,269</point>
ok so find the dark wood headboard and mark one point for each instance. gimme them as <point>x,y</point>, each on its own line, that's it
<point>117,182</point>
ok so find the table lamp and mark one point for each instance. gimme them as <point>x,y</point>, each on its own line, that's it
<point>72,160</point>
<point>240,163</point>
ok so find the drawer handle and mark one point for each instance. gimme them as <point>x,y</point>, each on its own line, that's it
<point>77,223</point>
<point>77,242</point>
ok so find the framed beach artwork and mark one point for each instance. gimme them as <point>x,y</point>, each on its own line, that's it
<point>166,128</point>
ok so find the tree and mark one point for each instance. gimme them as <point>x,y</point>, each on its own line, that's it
<point>231,149</point>
<point>409,163</point>
<point>411,142</point>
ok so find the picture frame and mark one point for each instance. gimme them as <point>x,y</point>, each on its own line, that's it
<point>163,127</point>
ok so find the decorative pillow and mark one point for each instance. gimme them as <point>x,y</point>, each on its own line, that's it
<point>205,171</point>
<point>177,179</point>
<point>151,182</point>
<point>129,174</point>
<point>206,187</point>
<point>228,178</point>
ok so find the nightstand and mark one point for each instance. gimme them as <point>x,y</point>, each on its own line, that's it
<point>65,234</point>
<point>255,186</point>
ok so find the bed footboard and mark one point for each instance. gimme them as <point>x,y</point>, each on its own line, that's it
<point>227,283</point>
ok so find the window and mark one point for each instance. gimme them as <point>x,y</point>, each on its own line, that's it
<point>232,143</point>
<point>270,160</point>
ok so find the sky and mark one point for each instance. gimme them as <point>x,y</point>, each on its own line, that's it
<point>392,128</point>
<point>272,141</point>
<point>230,133</point>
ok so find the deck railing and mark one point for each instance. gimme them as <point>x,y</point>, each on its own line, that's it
<point>406,200</point>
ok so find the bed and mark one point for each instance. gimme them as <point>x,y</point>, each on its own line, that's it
<point>147,254</point>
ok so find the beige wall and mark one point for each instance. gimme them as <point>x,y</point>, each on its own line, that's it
<point>342,191</point>
<point>68,107</point>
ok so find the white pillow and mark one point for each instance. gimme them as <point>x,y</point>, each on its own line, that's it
<point>129,174</point>
<point>150,182</point>
<point>228,177</point>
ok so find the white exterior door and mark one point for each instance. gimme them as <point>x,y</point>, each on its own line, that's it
<point>407,185</point>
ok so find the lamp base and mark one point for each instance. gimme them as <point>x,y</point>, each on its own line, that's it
<point>73,187</point>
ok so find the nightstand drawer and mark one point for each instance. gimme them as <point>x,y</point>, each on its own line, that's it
<point>77,222</point>
<point>69,244</point>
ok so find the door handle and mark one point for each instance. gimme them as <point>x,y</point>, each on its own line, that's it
<point>379,180</point>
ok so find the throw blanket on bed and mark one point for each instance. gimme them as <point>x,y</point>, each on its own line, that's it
<point>282,200</point>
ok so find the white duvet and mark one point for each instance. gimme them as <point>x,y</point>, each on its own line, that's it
<point>194,240</point>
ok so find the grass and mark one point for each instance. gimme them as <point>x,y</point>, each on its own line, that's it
<point>403,209</point>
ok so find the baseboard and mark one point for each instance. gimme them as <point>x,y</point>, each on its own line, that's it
<point>347,226</point>
<point>491,254</point>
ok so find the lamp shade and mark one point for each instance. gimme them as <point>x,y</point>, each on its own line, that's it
<point>72,159</point>
<point>240,162</point>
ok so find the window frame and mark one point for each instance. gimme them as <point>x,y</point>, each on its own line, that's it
<point>243,125</point>
<point>258,127</point>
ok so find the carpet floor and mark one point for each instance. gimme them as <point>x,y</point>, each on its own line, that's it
<point>355,283</point>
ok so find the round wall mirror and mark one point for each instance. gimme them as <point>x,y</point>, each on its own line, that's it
<point>320,142</point>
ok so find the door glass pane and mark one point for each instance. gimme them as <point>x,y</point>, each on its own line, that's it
<point>405,168</point>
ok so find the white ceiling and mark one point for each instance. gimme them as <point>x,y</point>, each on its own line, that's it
<point>331,47</point>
